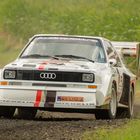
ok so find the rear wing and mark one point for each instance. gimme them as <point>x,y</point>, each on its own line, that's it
<point>129,49</point>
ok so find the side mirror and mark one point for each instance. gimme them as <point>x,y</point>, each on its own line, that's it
<point>112,62</point>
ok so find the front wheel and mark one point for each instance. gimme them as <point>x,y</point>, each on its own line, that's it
<point>111,112</point>
<point>7,112</point>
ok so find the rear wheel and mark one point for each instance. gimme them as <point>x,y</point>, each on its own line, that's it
<point>7,112</point>
<point>129,111</point>
<point>131,104</point>
<point>27,113</point>
<point>111,112</point>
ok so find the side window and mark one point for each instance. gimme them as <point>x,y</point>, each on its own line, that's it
<point>119,64</point>
<point>112,53</point>
<point>109,50</point>
<point>99,55</point>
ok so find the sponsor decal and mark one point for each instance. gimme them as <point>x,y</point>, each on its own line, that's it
<point>16,101</point>
<point>74,104</point>
<point>42,65</point>
<point>38,98</point>
<point>70,99</point>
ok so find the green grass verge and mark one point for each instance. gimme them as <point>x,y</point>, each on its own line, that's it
<point>138,86</point>
<point>130,131</point>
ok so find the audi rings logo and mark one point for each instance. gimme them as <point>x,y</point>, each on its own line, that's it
<point>47,75</point>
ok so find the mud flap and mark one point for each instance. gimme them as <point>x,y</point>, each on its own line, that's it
<point>126,89</point>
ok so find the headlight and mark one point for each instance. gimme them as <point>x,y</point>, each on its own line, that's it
<point>9,74</point>
<point>87,77</point>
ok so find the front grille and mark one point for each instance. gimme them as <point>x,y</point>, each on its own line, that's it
<point>60,76</point>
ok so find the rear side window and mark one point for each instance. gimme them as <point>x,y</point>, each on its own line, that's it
<point>111,52</point>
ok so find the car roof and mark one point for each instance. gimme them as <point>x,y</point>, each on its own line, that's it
<point>70,36</point>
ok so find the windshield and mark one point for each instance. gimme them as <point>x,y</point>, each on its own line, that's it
<point>54,47</point>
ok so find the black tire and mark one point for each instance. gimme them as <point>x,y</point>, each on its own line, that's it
<point>26,113</point>
<point>109,113</point>
<point>129,111</point>
<point>7,112</point>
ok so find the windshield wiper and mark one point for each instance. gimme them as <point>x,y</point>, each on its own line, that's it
<point>74,56</point>
<point>38,56</point>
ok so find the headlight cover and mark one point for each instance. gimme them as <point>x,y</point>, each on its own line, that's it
<point>9,74</point>
<point>87,77</point>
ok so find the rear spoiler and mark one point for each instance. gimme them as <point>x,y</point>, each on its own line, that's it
<point>130,49</point>
<point>127,48</point>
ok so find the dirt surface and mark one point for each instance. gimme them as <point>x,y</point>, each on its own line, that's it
<point>53,126</point>
<point>56,126</point>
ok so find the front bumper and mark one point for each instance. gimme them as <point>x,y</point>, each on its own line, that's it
<point>47,97</point>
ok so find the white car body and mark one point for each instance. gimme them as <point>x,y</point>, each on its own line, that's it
<point>65,95</point>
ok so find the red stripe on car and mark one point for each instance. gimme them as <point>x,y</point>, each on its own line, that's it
<point>38,98</point>
<point>41,67</point>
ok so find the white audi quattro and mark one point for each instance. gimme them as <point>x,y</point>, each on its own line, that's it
<point>70,74</point>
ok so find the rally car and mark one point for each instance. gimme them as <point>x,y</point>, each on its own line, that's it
<point>67,73</point>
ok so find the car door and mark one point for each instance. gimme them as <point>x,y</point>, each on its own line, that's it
<point>120,70</point>
<point>117,69</point>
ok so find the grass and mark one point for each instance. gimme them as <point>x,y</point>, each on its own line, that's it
<point>138,86</point>
<point>115,20</point>
<point>130,131</point>
<point>9,48</point>
<point>8,57</point>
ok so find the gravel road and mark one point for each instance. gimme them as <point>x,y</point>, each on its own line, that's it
<point>53,126</point>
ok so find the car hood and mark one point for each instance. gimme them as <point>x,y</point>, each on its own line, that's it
<point>54,64</point>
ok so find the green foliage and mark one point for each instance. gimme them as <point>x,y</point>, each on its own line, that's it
<point>131,131</point>
<point>138,86</point>
<point>116,20</point>
<point>8,56</point>
<point>131,63</point>
<point>21,19</point>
